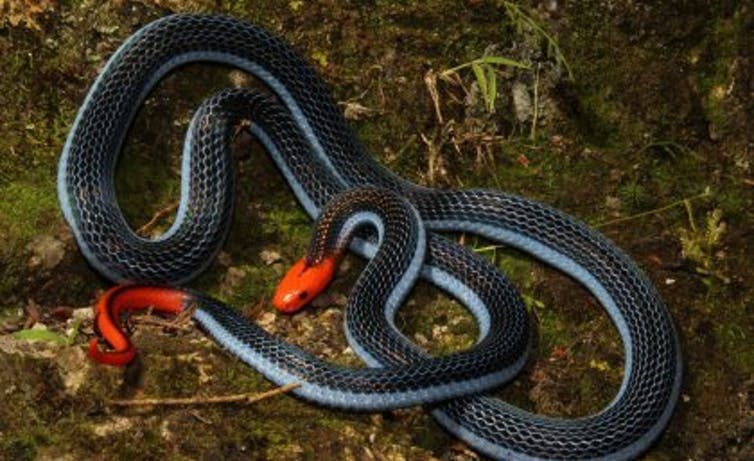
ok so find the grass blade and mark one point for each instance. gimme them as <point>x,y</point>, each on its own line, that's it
<point>491,89</point>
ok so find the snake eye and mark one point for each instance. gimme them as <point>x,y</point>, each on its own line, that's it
<point>303,295</point>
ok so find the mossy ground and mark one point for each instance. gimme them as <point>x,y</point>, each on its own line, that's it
<point>660,108</point>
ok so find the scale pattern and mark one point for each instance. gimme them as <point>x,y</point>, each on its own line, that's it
<point>417,382</point>
<point>315,150</point>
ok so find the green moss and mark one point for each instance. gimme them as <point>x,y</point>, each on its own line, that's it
<point>634,197</point>
<point>715,74</point>
<point>178,378</point>
<point>553,331</point>
<point>446,325</point>
<point>289,226</point>
<point>733,204</point>
<point>734,337</point>
<point>27,210</point>
<point>21,449</point>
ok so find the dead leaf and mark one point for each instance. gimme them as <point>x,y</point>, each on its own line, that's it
<point>32,314</point>
<point>559,352</point>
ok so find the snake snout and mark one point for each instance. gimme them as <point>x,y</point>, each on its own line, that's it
<point>302,284</point>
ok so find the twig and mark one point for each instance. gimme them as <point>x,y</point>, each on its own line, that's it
<point>200,418</point>
<point>430,80</point>
<point>32,314</point>
<point>186,314</point>
<point>179,322</point>
<point>535,115</point>
<point>478,138</point>
<point>156,218</point>
<point>434,161</point>
<point>169,324</point>
<point>255,311</point>
<point>684,201</point>
<point>239,398</point>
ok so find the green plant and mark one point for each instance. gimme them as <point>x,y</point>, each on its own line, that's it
<point>702,244</point>
<point>31,334</point>
<point>706,194</point>
<point>518,268</point>
<point>633,195</point>
<point>522,20</point>
<point>40,335</point>
<point>485,68</point>
<point>669,148</point>
<point>485,72</point>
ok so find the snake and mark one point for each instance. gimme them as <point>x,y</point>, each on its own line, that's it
<point>305,133</point>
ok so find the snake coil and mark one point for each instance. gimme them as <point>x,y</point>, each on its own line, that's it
<point>312,145</point>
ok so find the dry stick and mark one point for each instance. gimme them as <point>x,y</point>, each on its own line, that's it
<point>169,324</point>
<point>430,80</point>
<point>433,157</point>
<point>684,201</point>
<point>239,398</point>
<point>179,323</point>
<point>32,314</point>
<point>156,218</point>
<point>535,115</point>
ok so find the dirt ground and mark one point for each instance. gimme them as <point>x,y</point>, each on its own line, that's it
<point>636,117</point>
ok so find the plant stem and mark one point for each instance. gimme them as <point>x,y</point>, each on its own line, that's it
<point>239,398</point>
<point>684,202</point>
<point>535,113</point>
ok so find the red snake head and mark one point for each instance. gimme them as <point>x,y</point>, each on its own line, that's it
<point>302,284</point>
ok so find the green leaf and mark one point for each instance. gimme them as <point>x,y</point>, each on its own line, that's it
<point>74,331</point>
<point>491,89</point>
<point>480,78</point>
<point>599,365</point>
<point>502,61</point>
<point>486,61</point>
<point>39,335</point>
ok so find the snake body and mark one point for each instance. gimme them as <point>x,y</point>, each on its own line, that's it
<point>315,150</point>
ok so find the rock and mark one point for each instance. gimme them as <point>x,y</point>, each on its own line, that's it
<point>73,366</point>
<point>232,280</point>
<point>331,317</point>
<point>82,314</point>
<point>53,456</point>
<point>224,259</point>
<point>355,111</point>
<point>81,319</point>
<point>46,252</point>
<point>240,79</point>
<point>267,319</point>
<point>269,256</point>
<point>115,425</point>
<point>612,203</point>
<point>421,339</point>
<point>33,349</point>
<point>521,102</point>
<point>39,326</point>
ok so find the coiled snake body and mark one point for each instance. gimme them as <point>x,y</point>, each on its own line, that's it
<point>314,148</point>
